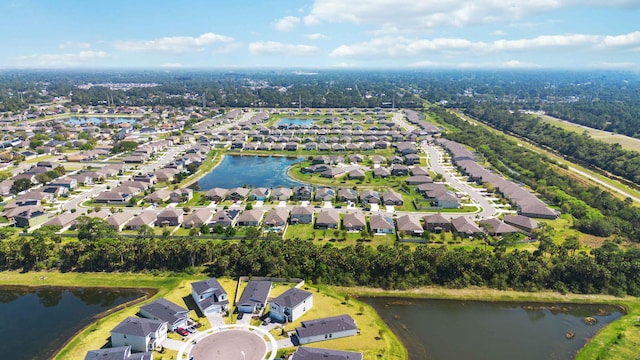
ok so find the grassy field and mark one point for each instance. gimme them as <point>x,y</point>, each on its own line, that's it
<point>176,288</point>
<point>626,142</point>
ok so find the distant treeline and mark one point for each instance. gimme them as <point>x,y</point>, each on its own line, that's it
<point>596,211</point>
<point>609,269</point>
<point>609,157</point>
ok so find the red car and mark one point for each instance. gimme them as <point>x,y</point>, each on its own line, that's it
<point>182,331</point>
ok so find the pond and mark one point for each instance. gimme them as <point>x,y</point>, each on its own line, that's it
<point>256,171</point>
<point>43,319</point>
<point>97,120</point>
<point>449,329</point>
<point>298,122</point>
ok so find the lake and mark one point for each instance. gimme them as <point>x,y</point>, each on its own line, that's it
<point>35,323</point>
<point>256,171</point>
<point>97,120</point>
<point>298,122</point>
<point>448,329</point>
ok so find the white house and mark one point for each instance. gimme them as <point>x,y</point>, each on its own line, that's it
<point>164,310</point>
<point>254,297</point>
<point>120,353</point>
<point>290,305</point>
<point>141,334</point>
<point>210,296</point>
<point>326,329</point>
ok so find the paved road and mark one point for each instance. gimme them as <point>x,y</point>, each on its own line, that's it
<point>488,210</point>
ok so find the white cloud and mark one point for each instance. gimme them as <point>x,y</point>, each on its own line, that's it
<point>317,36</point>
<point>402,46</point>
<point>87,57</point>
<point>277,48</point>
<point>287,23</point>
<point>173,44</point>
<point>499,33</point>
<point>74,45</point>
<point>411,16</point>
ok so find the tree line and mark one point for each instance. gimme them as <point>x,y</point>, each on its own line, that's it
<point>609,157</point>
<point>608,269</point>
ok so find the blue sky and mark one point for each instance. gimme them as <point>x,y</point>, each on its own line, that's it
<point>318,34</point>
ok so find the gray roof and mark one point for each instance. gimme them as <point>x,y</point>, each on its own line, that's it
<point>309,353</point>
<point>165,310</point>
<point>255,292</point>
<point>137,326</point>
<point>208,285</point>
<point>292,297</point>
<point>117,353</point>
<point>326,326</point>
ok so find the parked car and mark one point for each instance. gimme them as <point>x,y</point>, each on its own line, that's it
<point>191,329</point>
<point>240,315</point>
<point>266,321</point>
<point>182,331</point>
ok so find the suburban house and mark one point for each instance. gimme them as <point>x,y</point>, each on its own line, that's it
<point>118,220</point>
<point>197,218</point>
<point>159,196</point>
<point>237,194</point>
<point>117,353</point>
<point>356,174</point>
<point>65,182</point>
<point>164,310</point>
<point>28,216</point>
<point>327,219</point>
<point>209,296</point>
<point>225,218</point>
<point>147,218</point>
<point>524,224</point>
<point>409,225</point>
<point>181,195</point>
<point>418,179</point>
<point>391,197</point>
<point>254,297</point>
<point>64,220</point>
<point>170,217</point>
<point>437,223</point>
<point>260,194</point>
<point>345,194</point>
<point>381,172</point>
<point>276,218</point>
<point>139,333</point>
<point>302,193</point>
<point>217,194</point>
<point>496,227</point>
<point>289,306</point>
<point>112,197</point>
<point>326,329</point>
<point>381,224</point>
<point>354,221</point>
<point>399,170</point>
<point>250,217</point>
<point>369,197</point>
<point>325,194</point>
<point>463,226</point>
<point>282,194</point>
<point>302,215</point>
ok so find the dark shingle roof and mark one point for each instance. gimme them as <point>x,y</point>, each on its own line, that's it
<point>137,326</point>
<point>165,310</point>
<point>326,325</point>
<point>255,292</point>
<point>117,353</point>
<point>292,297</point>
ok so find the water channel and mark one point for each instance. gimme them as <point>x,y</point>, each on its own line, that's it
<point>457,329</point>
<point>36,322</point>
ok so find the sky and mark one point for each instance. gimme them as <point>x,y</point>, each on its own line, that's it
<point>321,34</point>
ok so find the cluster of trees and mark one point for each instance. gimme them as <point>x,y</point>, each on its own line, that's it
<point>609,269</point>
<point>596,211</point>
<point>610,157</point>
